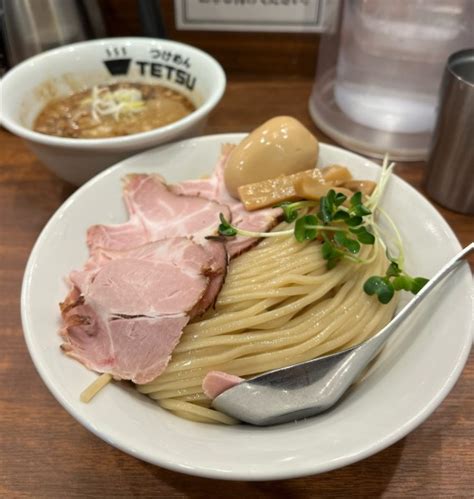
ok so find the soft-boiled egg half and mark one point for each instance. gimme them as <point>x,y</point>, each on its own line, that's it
<point>281,146</point>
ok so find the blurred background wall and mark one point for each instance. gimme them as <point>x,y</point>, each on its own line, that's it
<point>273,54</point>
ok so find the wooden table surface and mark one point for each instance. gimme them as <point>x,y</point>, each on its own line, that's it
<point>44,452</point>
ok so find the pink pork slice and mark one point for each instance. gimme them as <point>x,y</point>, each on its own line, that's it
<point>157,213</point>
<point>213,188</point>
<point>127,309</point>
<point>217,382</point>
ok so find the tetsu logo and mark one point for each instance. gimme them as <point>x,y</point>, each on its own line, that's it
<point>118,65</point>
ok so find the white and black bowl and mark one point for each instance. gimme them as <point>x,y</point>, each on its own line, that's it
<point>28,87</point>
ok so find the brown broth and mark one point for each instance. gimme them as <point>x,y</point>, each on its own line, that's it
<point>72,116</point>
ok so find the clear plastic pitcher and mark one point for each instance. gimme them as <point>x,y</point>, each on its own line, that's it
<point>388,65</point>
<point>391,58</point>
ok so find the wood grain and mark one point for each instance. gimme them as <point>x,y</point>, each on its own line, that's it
<point>45,453</point>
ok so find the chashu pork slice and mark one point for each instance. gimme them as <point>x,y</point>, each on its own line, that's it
<point>213,188</point>
<point>127,309</point>
<point>217,382</point>
<point>155,213</point>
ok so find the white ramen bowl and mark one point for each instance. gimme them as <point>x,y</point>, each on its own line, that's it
<point>410,379</point>
<point>26,89</point>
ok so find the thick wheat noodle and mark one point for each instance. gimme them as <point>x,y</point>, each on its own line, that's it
<point>272,293</point>
<point>307,342</point>
<point>266,264</point>
<point>278,306</point>
<point>173,393</point>
<point>294,278</point>
<point>308,266</point>
<point>264,257</point>
<point>339,341</point>
<point>274,324</point>
<point>244,338</point>
<point>94,388</point>
<point>197,398</point>
<point>303,321</point>
<point>181,390</point>
<point>292,266</point>
<point>198,413</point>
<point>303,326</point>
<point>305,317</point>
<point>224,326</point>
<point>306,275</point>
<point>232,307</point>
<point>168,381</point>
<point>366,331</point>
<point>196,327</point>
<point>267,248</point>
<point>309,277</point>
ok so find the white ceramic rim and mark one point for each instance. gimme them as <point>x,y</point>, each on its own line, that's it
<point>309,469</point>
<point>124,140</point>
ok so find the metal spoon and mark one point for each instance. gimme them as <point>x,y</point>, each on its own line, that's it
<point>311,387</point>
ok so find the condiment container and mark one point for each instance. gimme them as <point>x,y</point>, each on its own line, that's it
<point>450,177</point>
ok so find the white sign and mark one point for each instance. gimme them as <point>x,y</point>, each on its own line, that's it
<point>316,16</point>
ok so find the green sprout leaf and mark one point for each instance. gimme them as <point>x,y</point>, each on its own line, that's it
<point>350,244</point>
<point>302,231</point>
<point>363,235</point>
<point>327,250</point>
<point>290,213</point>
<point>393,269</point>
<point>361,210</point>
<point>381,287</point>
<point>327,207</point>
<point>354,221</point>
<point>331,254</point>
<point>356,199</point>
<point>339,199</point>
<point>357,208</point>
<point>225,228</point>
<point>341,215</point>
<point>417,284</point>
<point>331,198</point>
<point>396,279</point>
<point>402,282</point>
